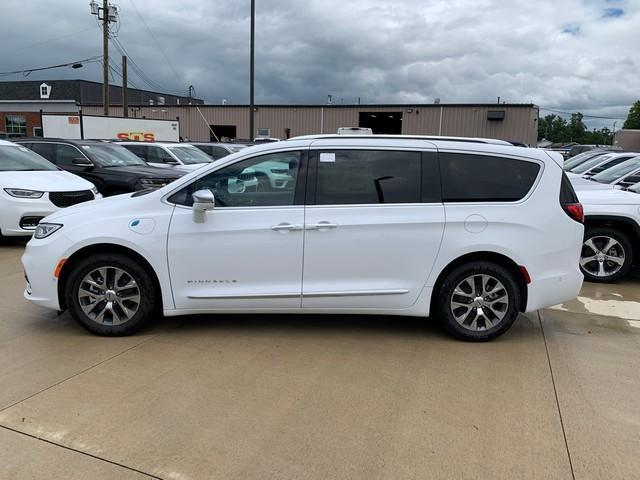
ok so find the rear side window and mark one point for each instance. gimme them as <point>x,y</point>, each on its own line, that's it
<point>482,178</point>
<point>348,177</point>
<point>567,193</point>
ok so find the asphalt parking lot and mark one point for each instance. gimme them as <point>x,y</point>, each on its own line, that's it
<point>321,397</point>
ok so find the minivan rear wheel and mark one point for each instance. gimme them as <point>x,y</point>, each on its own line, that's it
<point>110,294</point>
<point>606,255</point>
<point>478,301</point>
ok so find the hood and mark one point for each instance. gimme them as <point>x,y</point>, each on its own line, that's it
<point>44,181</point>
<point>608,197</point>
<point>108,205</point>
<point>147,171</point>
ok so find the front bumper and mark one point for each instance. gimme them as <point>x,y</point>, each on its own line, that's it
<point>39,261</point>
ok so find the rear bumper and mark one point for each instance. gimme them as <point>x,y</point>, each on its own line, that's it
<point>553,290</point>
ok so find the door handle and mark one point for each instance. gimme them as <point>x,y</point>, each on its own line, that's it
<point>286,227</point>
<point>321,225</point>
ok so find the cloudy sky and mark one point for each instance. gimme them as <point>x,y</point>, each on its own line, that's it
<point>564,55</point>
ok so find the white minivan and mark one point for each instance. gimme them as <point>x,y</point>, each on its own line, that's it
<point>469,231</point>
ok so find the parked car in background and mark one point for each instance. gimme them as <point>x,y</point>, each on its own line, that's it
<point>578,149</point>
<point>599,164</point>
<point>32,188</point>
<point>612,233</point>
<point>111,168</point>
<point>218,150</point>
<point>458,230</point>
<point>168,155</point>
<point>622,175</point>
<point>581,158</point>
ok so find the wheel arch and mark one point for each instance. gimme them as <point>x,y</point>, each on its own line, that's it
<point>484,256</point>
<point>99,248</point>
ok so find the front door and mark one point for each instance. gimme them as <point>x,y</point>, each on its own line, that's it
<point>373,229</point>
<point>247,252</point>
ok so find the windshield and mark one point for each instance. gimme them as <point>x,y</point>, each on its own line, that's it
<point>634,188</point>
<point>589,164</point>
<point>579,159</point>
<point>109,155</point>
<point>21,159</point>
<point>190,155</point>
<point>617,172</point>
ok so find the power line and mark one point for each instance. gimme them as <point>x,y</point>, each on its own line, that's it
<point>154,38</point>
<point>584,115</point>
<point>26,72</point>
<point>45,41</point>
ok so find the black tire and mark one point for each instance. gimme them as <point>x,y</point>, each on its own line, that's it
<point>623,247</point>
<point>484,330</point>
<point>142,282</point>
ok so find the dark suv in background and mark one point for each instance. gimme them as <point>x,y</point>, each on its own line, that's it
<point>111,168</point>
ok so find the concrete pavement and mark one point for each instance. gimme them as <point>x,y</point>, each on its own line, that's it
<point>320,396</point>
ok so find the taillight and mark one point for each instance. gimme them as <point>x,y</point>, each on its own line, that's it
<point>575,211</point>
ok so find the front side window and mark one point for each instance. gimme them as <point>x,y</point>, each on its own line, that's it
<point>348,177</point>
<point>482,178</point>
<point>264,181</point>
<point>65,154</point>
<point>158,155</point>
<point>15,126</point>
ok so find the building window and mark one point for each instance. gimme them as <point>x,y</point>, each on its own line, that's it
<point>16,126</point>
<point>264,132</point>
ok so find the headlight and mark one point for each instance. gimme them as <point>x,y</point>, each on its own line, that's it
<point>43,230</point>
<point>21,193</point>
<point>145,183</point>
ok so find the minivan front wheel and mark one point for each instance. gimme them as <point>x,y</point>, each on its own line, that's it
<point>606,255</point>
<point>478,301</point>
<point>110,294</point>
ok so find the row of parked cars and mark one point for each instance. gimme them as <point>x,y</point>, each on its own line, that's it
<point>608,184</point>
<point>40,175</point>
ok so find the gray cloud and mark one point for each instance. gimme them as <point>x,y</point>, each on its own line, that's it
<point>379,50</point>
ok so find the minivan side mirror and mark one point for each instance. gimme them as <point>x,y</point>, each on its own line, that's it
<point>81,162</point>
<point>203,201</point>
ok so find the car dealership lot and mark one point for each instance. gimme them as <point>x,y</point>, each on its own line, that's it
<point>320,396</point>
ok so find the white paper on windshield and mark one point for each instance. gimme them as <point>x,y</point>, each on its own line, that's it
<point>328,157</point>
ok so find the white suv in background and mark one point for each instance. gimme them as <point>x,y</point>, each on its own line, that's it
<point>32,188</point>
<point>468,231</point>
<point>169,155</point>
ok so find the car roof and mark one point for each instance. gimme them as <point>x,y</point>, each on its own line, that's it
<point>59,140</point>
<point>452,144</point>
<point>6,143</point>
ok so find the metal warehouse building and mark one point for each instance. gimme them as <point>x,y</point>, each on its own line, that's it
<point>512,122</point>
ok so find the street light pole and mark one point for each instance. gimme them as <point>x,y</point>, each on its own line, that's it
<point>252,72</point>
<point>105,56</point>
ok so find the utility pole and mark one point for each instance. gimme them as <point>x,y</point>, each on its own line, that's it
<point>109,15</point>
<point>125,90</point>
<point>105,56</point>
<point>252,72</point>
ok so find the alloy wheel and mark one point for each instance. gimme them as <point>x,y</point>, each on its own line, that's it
<point>479,302</point>
<point>602,256</point>
<point>109,295</point>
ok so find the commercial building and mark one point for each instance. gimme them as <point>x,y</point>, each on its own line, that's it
<point>511,122</point>
<point>21,102</point>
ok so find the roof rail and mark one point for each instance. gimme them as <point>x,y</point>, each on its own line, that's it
<point>406,137</point>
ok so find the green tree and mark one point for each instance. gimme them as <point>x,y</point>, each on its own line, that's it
<point>576,129</point>
<point>633,119</point>
<point>552,127</point>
